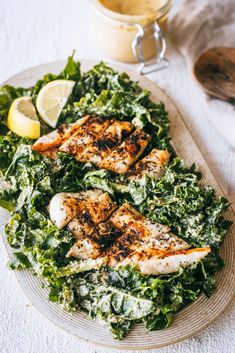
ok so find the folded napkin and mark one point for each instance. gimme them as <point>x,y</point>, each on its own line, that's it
<point>197,26</point>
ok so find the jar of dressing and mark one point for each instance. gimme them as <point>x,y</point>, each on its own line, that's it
<point>132,31</point>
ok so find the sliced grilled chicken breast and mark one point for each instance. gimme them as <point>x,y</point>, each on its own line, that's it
<point>155,264</point>
<point>90,230</point>
<point>51,153</point>
<point>95,242</point>
<point>106,141</point>
<point>65,206</point>
<point>85,249</point>
<point>140,237</point>
<point>152,165</point>
<point>87,133</point>
<point>95,211</point>
<point>48,145</point>
<point>124,216</point>
<point>139,234</point>
<point>127,237</point>
<point>62,208</point>
<point>122,157</point>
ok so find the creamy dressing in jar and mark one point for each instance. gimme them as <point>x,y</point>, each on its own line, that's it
<point>133,7</point>
<point>116,24</point>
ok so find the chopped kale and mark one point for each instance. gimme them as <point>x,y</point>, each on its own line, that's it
<point>119,298</point>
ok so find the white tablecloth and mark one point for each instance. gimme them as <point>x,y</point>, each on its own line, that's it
<point>35,32</point>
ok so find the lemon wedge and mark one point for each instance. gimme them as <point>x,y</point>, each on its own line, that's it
<point>52,98</point>
<point>22,118</point>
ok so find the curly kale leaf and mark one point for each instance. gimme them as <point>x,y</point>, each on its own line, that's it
<point>71,71</point>
<point>114,306</point>
<point>178,199</point>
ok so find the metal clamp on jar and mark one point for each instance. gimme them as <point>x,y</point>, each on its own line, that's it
<point>133,31</point>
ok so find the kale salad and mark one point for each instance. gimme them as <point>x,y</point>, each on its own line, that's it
<point>124,296</point>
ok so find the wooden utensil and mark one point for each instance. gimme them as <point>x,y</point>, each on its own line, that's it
<point>215,72</point>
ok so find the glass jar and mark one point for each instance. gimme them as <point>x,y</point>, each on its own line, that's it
<point>132,31</point>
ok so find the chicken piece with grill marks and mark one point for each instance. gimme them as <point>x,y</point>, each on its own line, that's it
<point>49,144</point>
<point>124,216</point>
<point>89,229</point>
<point>106,142</point>
<point>96,241</point>
<point>155,262</point>
<point>127,237</point>
<point>124,155</point>
<point>95,211</point>
<point>87,134</point>
<point>140,234</point>
<point>153,165</point>
<point>65,206</point>
<point>149,246</point>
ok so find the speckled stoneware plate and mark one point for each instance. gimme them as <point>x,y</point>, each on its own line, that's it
<point>190,320</point>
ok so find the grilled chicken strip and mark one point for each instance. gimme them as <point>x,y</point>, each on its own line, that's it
<point>153,263</point>
<point>90,230</point>
<point>65,206</point>
<point>125,216</point>
<point>49,144</point>
<point>110,138</point>
<point>140,235</point>
<point>94,212</point>
<point>152,165</point>
<point>87,134</point>
<point>122,157</point>
<point>152,247</point>
<point>95,242</point>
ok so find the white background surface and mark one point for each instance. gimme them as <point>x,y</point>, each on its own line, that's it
<point>35,32</point>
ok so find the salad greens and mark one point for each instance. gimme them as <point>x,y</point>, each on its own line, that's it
<point>119,298</point>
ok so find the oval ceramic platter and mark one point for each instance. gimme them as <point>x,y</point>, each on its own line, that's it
<point>187,322</point>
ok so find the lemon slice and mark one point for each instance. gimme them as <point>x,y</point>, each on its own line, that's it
<point>22,118</point>
<point>52,99</point>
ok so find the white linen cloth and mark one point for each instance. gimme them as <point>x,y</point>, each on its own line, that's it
<point>196,26</point>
